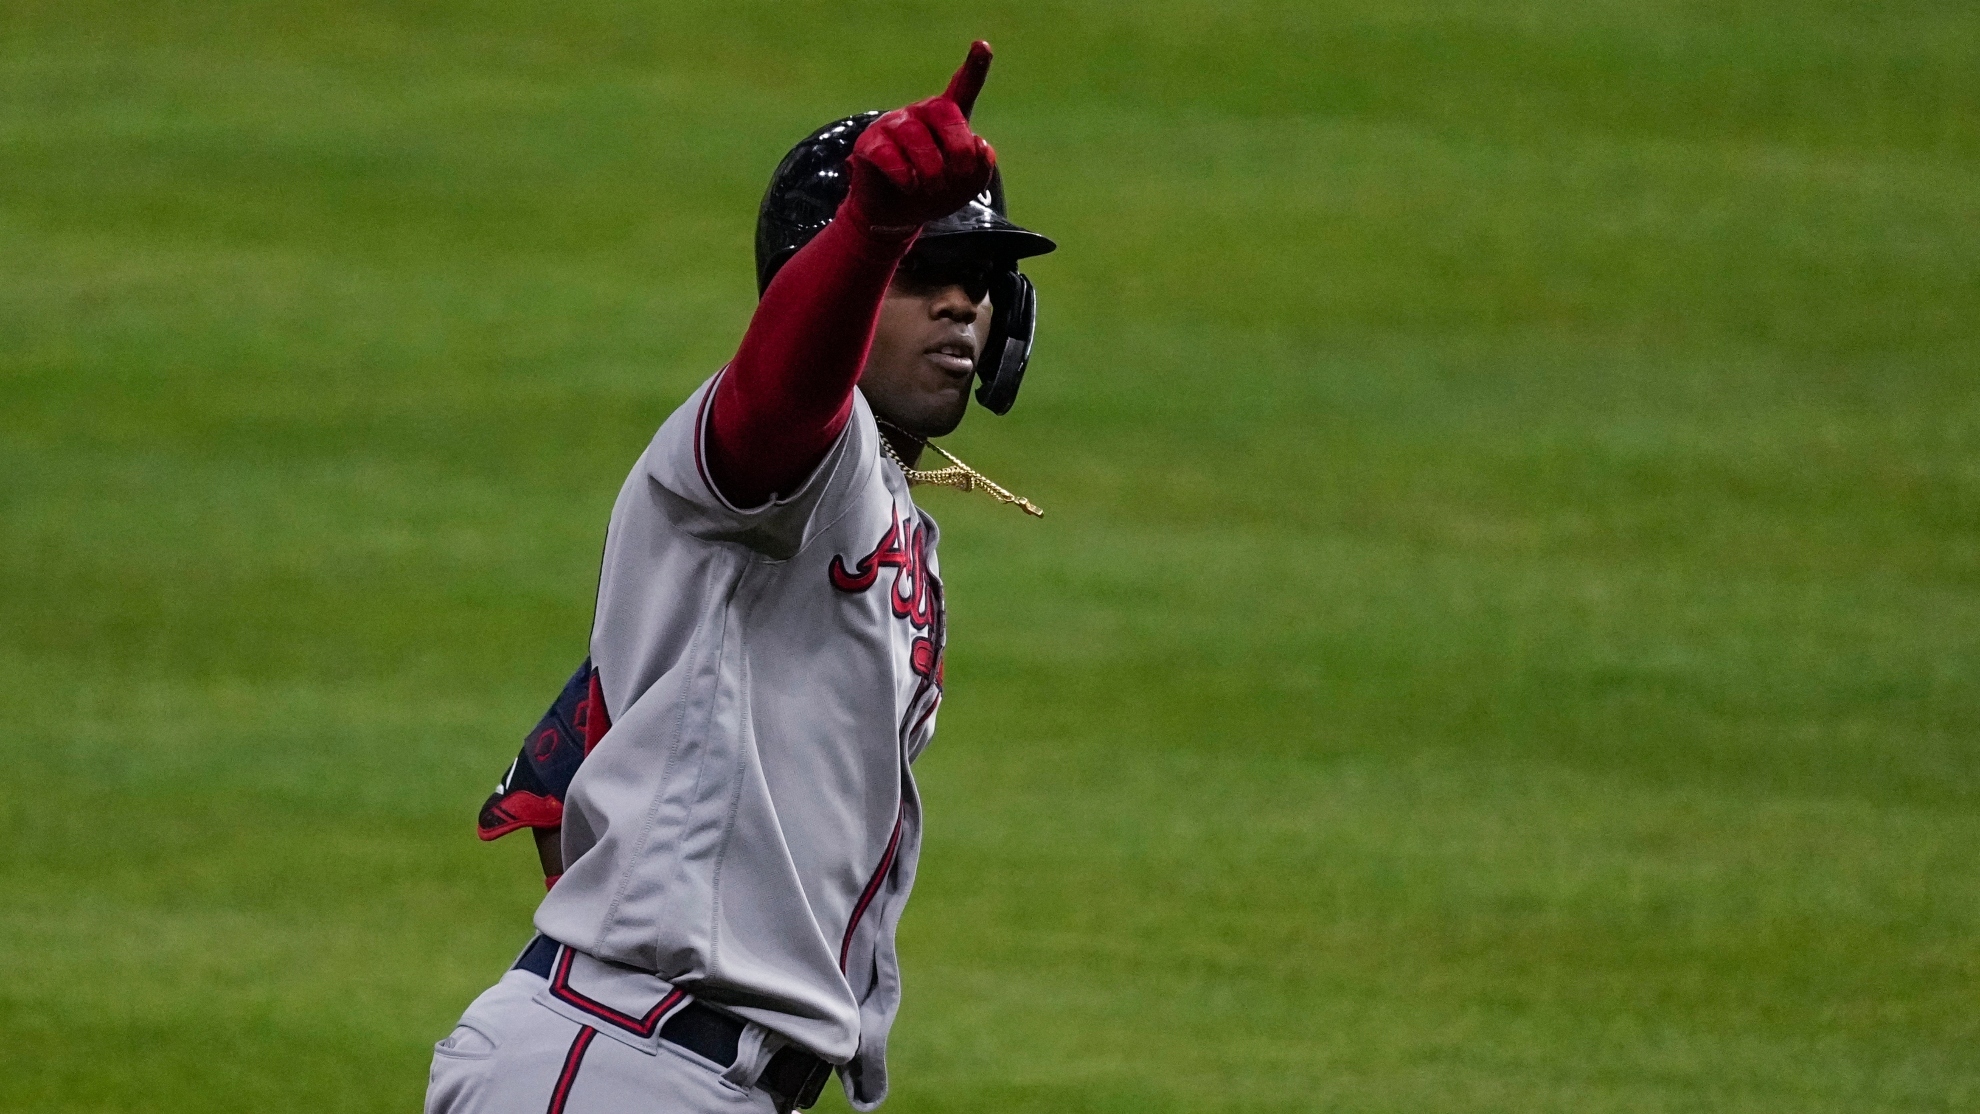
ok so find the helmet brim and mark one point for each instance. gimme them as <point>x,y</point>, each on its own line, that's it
<point>979,228</point>
<point>1011,243</point>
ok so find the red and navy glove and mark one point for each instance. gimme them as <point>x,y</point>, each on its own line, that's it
<point>531,794</point>
<point>922,162</point>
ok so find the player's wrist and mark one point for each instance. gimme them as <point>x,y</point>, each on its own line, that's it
<point>875,236</point>
<point>874,242</point>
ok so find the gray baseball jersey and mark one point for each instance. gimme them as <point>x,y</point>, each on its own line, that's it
<point>748,828</point>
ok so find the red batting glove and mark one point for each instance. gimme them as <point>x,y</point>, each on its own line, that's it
<point>921,162</point>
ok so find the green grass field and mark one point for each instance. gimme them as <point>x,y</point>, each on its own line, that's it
<point>1505,637</point>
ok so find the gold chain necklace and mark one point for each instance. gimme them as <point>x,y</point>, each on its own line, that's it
<point>958,475</point>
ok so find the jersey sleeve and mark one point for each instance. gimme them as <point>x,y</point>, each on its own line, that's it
<point>689,499</point>
<point>531,794</point>
<point>788,393</point>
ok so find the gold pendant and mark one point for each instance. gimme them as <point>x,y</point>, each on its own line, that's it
<point>959,476</point>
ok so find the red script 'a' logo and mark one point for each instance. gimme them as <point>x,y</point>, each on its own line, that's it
<point>906,552</point>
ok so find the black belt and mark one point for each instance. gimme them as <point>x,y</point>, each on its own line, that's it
<point>793,1077</point>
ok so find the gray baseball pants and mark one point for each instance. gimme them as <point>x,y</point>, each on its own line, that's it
<point>513,1054</point>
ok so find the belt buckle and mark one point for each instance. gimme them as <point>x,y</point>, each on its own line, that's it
<point>799,1093</point>
<point>814,1084</point>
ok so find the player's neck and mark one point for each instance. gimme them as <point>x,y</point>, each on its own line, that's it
<point>906,445</point>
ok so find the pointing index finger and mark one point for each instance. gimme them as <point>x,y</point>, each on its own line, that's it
<point>968,81</point>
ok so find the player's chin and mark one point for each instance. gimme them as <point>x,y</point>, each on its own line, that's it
<point>933,412</point>
<point>939,408</point>
<point>935,398</point>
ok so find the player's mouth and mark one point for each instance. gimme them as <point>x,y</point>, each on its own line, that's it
<point>955,356</point>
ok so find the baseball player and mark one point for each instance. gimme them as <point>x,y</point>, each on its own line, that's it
<point>722,793</point>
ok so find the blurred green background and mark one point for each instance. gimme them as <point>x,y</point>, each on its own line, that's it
<point>1505,637</point>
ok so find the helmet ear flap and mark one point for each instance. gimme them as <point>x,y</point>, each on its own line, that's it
<point>1013,323</point>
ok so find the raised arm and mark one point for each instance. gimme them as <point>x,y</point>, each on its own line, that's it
<point>788,393</point>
